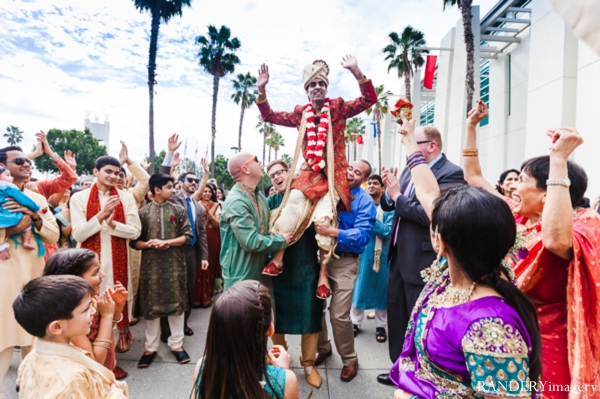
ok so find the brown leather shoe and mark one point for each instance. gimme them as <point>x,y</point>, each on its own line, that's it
<point>349,372</point>
<point>321,357</point>
<point>314,378</point>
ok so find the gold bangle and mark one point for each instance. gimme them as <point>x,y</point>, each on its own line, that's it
<point>361,81</point>
<point>103,340</point>
<point>260,93</point>
<point>470,152</point>
<point>259,101</point>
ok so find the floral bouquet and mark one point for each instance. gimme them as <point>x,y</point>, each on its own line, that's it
<point>403,105</point>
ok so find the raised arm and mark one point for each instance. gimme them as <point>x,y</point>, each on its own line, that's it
<point>557,232</point>
<point>202,185</point>
<point>368,95</point>
<point>426,185</point>
<point>471,165</point>
<point>288,119</point>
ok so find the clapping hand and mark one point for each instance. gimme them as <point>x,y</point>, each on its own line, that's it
<point>106,304</point>
<point>119,294</point>
<point>392,186</point>
<point>124,154</point>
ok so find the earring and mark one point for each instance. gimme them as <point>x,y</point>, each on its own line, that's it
<point>433,274</point>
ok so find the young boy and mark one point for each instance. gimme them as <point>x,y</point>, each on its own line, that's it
<point>163,273</point>
<point>56,309</point>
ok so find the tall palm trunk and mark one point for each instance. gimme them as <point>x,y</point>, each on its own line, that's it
<point>276,149</point>
<point>470,46</point>
<point>151,81</point>
<point>270,148</point>
<point>348,152</point>
<point>378,121</point>
<point>407,85</point>
<point>264,143</point>
<point>214,117</point>
<point>241,121</point>
<point>354,145</point>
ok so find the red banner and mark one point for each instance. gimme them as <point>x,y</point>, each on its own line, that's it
<point>429,71</point>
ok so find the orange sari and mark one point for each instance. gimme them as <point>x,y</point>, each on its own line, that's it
<point>568,309</point>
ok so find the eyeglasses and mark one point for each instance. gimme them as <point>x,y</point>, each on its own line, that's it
<point>20,161</point>
<point>190,180</point>
<point>252,159</point>
<point>424,141</point>
<point>277,174</point>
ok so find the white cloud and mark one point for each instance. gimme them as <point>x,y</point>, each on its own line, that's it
<point>60,59</point>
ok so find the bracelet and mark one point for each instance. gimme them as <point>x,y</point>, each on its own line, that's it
<point>470,152</point>
<point>415,159</point>
<point>115,322</point>
<point>364,80</point>
<point>260,93</point>
<point>102,345</point>
<point>259,101</point>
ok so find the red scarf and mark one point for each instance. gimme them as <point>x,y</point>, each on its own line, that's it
<point>118,245</point>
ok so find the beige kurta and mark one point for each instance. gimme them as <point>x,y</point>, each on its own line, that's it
<point>84,229</point>
<point>135,257</point>
<point>23,266</point>
<point>62,371</point>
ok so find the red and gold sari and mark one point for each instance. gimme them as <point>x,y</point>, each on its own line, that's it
<point>566,295</point>
<point>203,286</point>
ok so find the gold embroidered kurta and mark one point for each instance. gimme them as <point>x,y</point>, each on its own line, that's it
<point>61,371</point>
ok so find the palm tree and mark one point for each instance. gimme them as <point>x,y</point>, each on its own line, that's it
<point>275,142</point>
<point>404,55</point>
<point>246,94</point>
<point>379,110</point>
<point>217,57</point>
<point>13,135</point>
<point>265,129</point>
<point>467,17</point>
<point>160,10</point>
<point>354,128</point>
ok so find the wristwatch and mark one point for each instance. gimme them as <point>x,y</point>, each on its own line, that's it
<point>566,182</point>
<point>37,219</point>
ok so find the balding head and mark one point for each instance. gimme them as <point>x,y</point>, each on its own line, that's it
<point>430,141</point>
<point>235,164</point>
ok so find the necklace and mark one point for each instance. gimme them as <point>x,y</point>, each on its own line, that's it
<point>315,147</point>
<point>452,296</point>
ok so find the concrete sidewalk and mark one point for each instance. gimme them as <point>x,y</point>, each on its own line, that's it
<point>167,379</point>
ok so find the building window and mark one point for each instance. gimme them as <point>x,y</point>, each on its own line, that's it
<point>484,87</point>
<point>427,112</point>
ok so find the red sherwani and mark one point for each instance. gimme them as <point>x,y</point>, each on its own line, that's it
<point>312,184</point>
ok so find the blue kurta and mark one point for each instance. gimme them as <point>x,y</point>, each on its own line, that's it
<point>370,289</point>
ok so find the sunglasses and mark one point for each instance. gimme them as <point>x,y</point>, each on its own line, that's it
<point>424,141</point>
<point>190,180</point>
<point>252,159</point>
<point>20,161</point>
<point>277,174</point>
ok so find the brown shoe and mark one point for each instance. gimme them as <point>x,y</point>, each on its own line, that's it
<point>314,378</point>
<point>349,372</point>
<point>321,357</point>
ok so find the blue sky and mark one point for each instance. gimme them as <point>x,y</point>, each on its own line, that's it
<point>61,59</point>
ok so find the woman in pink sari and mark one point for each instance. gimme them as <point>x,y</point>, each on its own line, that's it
<point>557,266</point>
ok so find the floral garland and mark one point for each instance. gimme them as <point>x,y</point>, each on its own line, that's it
<point>315,148</point>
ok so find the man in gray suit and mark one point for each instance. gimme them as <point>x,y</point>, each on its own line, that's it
<point>197,250</point>
<point>410,247</point>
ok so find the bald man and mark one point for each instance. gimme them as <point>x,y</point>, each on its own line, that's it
<point>245,240</point>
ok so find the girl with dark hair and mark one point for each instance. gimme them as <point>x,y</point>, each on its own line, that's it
<point>203,286</point>
<point>109,304</point>
<point>220,195</point>
<point>557,265</point>
<point>234,365</point>
<point>472,333</point>
<point>506,182</point>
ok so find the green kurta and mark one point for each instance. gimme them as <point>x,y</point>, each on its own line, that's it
<point>163,274</point>
<point>244,249</point>
<point>297,308</point>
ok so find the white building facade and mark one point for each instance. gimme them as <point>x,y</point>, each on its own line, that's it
<point>533,73</point>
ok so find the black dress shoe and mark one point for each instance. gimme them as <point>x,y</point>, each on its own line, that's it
<point>146,360</point>
<point>385,379</point>
<point>182,356</point>
<point>188,331</point>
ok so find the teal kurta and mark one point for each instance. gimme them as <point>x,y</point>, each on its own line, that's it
<point>244,249</point>
<point>370,289</point>
<point>297,308</point>
<point>163,274</point>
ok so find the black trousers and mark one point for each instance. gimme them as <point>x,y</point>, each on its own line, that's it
<point>402,297</point>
